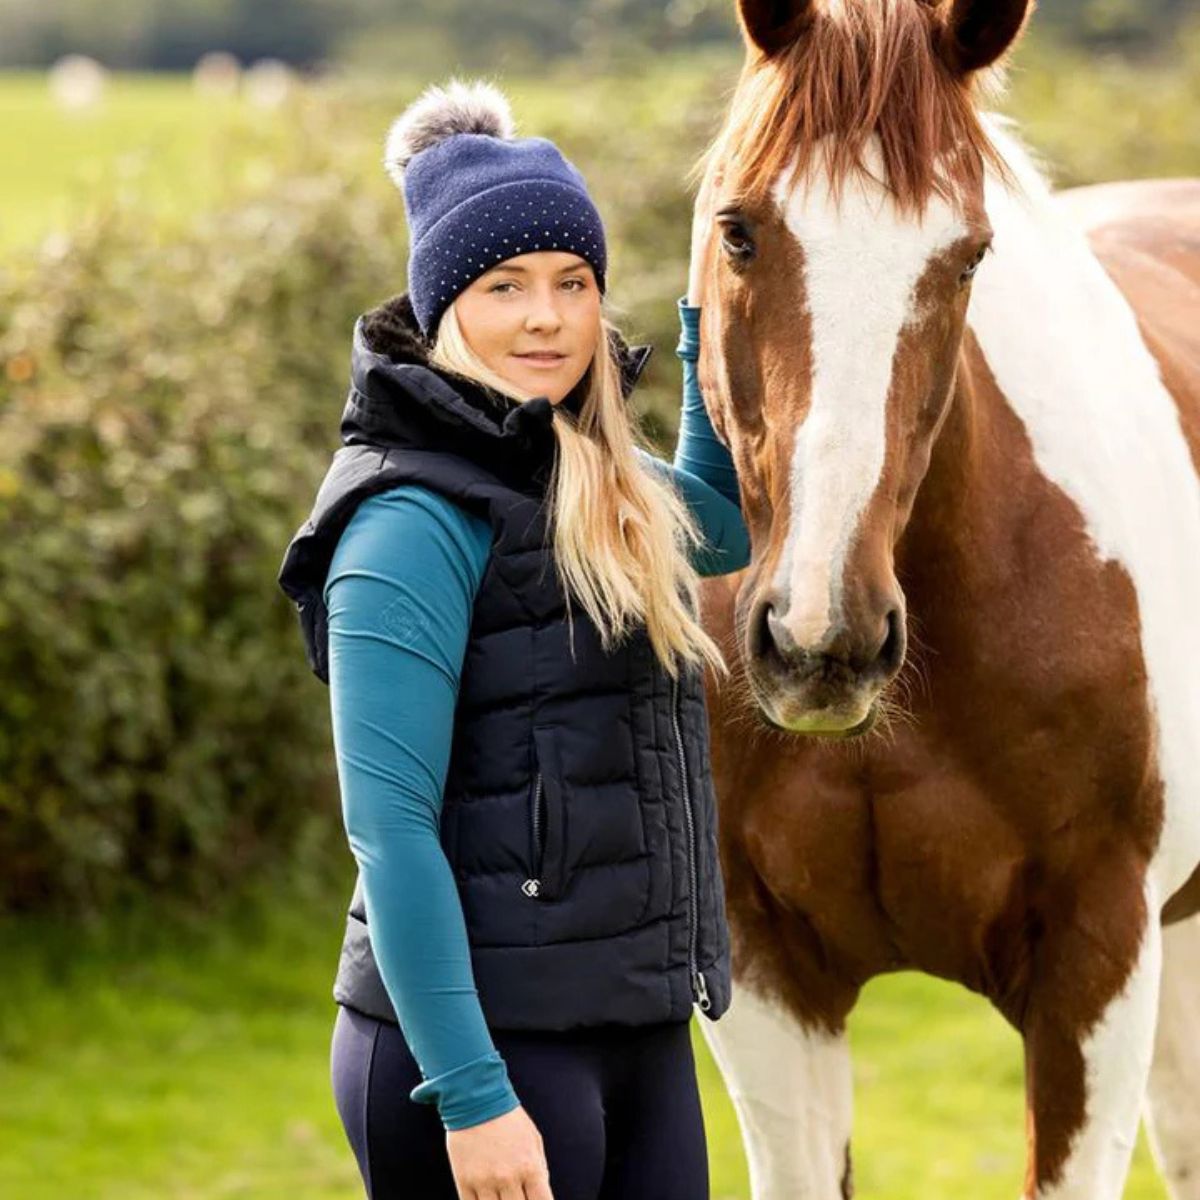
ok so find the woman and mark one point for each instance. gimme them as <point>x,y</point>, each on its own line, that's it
<point>499,586</point>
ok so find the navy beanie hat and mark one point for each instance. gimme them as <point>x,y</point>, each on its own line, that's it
<point>476,195</point>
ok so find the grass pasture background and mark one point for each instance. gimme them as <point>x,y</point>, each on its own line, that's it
<point>170,1056</point>
<point>171,1050</point>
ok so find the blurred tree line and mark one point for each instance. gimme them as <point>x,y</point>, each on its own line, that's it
<point>508,34</point>
<point>502,34</point>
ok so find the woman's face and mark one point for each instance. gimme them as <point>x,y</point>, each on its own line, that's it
<point>534,319</point>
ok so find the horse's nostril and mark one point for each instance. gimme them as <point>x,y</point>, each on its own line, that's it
<point>761,641</point>
<point>891,652</point>
<point>769,637</point>
<point>777,632</point>
<point>840,653</point>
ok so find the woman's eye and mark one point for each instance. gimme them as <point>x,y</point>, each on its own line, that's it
<point>582,285</point>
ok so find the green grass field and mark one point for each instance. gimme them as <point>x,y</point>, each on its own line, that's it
<point>182,154</point>
<point>173,1058</point>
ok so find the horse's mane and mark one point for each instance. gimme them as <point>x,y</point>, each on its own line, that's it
<point>862,67</point>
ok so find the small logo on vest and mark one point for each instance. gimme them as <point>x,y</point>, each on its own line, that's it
<point>531,887</point>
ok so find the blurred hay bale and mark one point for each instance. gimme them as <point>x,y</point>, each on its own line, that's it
<point>77,82</point>
<point>217,73</point>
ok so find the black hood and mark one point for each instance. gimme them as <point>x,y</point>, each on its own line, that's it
<point>397,399</point>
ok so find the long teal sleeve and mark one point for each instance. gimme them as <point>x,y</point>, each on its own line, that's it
<point>400,591</point>
<point>702,469</point>
<point>698,450</point>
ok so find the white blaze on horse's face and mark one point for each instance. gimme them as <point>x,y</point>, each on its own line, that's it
<point>862,260</point>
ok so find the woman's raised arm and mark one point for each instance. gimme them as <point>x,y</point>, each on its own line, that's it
<point>702,469</point>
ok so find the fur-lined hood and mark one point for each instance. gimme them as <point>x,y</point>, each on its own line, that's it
<point>397,398</point>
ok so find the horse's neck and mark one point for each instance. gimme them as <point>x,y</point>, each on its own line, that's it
<point>1026,401</point>
<point>1061,433</point>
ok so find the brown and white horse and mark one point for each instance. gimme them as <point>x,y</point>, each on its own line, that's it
<point>964,733</point>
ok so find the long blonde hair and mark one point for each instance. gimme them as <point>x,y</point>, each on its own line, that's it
<point>621,533</point>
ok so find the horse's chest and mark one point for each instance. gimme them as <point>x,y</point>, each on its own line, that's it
<point>939,856</point>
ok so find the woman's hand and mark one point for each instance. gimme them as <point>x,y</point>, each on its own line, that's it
<point>500,1159</point>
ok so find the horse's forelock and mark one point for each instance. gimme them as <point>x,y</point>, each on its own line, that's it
<point>862,68</point>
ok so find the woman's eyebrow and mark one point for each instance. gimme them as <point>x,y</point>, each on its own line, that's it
<point>581,262</point>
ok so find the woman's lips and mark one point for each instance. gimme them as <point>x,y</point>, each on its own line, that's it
<point>541,360</point>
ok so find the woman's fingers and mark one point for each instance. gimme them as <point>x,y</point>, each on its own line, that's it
<point>499,1159</point>
<point>538,1190</point>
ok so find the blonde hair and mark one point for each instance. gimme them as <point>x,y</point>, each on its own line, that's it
<point>621,534</point>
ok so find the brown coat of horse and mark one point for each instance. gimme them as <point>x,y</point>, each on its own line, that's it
<point>964,731</point>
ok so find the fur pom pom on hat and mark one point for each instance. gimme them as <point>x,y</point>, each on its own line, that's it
<point>476,194</point>
<point>441,112</point>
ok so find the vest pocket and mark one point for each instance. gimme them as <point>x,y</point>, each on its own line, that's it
<point>547,820</point>
<point>314,625</point>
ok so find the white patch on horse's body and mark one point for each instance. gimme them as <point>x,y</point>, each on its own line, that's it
<point>1171,1090</point>
<point>861,262</point>
<point>1117,1053</point>
<point>1064,347</point>
<point>792,1090</point>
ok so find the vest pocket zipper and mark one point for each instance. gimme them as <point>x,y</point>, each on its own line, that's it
<point>699,984</point>
<point>532,887</point>
<point>547,821</point>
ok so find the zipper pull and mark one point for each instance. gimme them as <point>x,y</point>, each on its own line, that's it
<point>531,887</point>
<point>702,991</point>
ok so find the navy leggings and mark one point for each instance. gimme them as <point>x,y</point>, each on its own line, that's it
<point>618,1109</point>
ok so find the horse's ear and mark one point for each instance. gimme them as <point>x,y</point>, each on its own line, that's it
<point>975,33</point>
<point>773,25</point>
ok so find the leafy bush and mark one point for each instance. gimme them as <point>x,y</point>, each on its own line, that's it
<point>166,412</point>
<point>1096,117</point>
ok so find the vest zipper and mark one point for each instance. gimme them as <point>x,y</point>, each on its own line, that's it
<point>531,887</point>
<point>699,986</point>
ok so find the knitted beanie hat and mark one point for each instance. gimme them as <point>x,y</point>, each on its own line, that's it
<point>476,195</point>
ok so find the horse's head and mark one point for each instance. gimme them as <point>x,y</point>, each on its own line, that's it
<point>839,221</point>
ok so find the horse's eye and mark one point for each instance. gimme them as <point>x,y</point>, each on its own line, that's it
<point>974,264</point>
<point>737,241</point>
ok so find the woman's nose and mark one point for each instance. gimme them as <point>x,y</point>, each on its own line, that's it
<point>543,313</point>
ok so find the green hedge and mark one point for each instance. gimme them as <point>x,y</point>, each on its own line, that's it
<point>166,411</point>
